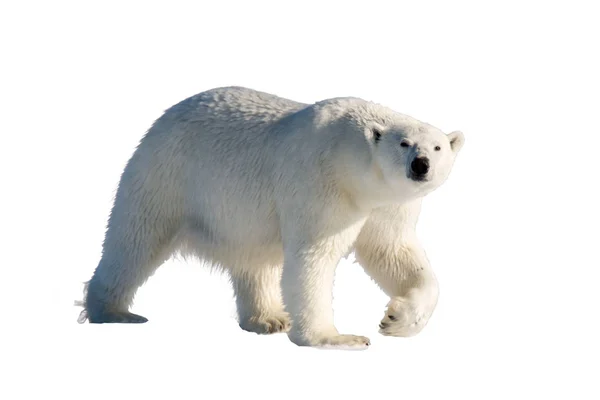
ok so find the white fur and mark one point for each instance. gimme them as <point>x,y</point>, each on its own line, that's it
<point>276,192</point>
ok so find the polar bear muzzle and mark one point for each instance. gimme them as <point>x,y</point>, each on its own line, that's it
<point>419,168</point>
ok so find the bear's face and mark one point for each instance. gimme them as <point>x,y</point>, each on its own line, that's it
<point>415,160</point>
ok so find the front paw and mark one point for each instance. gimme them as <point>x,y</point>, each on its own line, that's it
<point>403,318</point>
<point>344,342</point>
<point>330,340</point>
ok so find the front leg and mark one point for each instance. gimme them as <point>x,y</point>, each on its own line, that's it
<point>388,250</point>
<point>307,285</point>
<point>411,306</point>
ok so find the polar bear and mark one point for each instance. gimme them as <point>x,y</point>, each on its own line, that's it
<point>275,193</point>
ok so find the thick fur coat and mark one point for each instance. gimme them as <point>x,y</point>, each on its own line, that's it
<point>276,192</point>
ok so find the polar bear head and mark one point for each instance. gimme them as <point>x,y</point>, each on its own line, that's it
<point>414,157</point>
<point>383,156</point>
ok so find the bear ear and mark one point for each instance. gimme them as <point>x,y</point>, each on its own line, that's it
<point>375,131</point>
<point>376,134</point>
<point>457,139</point>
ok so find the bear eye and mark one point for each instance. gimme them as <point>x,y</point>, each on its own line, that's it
<point>437,148</point>
<point>404,144</point>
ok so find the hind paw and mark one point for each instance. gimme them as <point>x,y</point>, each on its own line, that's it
<point>267,324</point>
<point>117,317</point>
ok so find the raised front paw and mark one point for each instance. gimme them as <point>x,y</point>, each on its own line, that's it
<point>403,318</point>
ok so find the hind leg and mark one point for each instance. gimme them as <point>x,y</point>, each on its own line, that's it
<point>110,292</point>
<point>258,299</point>
<point>136,244</point>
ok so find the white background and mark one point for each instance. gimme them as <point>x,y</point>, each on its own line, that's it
<point>512,235</point>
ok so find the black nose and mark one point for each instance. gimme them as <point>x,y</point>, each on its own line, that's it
<point>420,166</point>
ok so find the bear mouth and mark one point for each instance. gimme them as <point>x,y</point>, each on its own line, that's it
<point>418,177</point>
